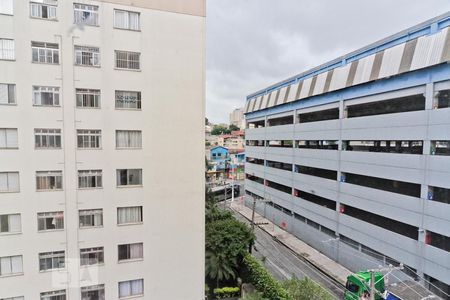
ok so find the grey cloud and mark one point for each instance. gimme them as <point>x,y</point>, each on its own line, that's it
<point>254,43</point>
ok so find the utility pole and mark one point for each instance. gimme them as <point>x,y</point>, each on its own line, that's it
<point>253,223</point>
<point>389,269</point>
<point>372,285</point>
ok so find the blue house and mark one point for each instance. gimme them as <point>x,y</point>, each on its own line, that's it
<point>220,156</point>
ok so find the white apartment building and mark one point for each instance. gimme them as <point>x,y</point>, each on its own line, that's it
<point>91,205</point>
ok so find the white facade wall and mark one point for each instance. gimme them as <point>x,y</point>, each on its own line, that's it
<point>171,78</point>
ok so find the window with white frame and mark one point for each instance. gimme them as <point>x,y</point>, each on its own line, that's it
<point>7,49</point>
<point>128,60</point>
<point>9,182</point>
<point>91,218</point>
<point>45,96</point>
<point>50,220</point>
<point>88,98</point>
<point>13,298</point>
<point>131,288</point>
<point>127,177</point>
<point>85,14</point>
<point>129,215</point>
<point>10,223</point>
<point>128,100</point>
<point>7,7</point>
<point>89,138</point>
<point>10,265</point>
<point>93,292</point>
<point>129,139</point>
<point>7,93</point>
<point>124,19</point>
<point>89,179</point>
<point>87,56</point>
<point>48,180</point>
<point>46,53</point>
<point>54,295</point>
<point>45,138</point>
<point>43,9</point>
<point>91,256</point>
<point>131,251</point>
<point>9,138</point>
<point>52,260</point>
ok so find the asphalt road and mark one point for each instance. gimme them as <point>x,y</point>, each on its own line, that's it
<point>283,263</point>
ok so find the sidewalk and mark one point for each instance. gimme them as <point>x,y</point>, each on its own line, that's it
<point>302,249</point>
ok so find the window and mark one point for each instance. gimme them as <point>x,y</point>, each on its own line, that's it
<point>383,222</point>
<point>89,138</point>
<point>128,99</point>
<point>438,240</point>
<point>85,14</point>
<point>7,7</point>
<point>13,298</point>
<point>280,143</point>
<point>443,99</point>
<point>256,124</point>
<point>128,139</point>
<point>256,161</point>
<point>8,138</point>
<point>126,177</point>
<point>398,105</point>
<point>315,199</point>
<point>90,179</point>
<point>321,115</point>
<point>47,53</point>
<point>43,9</point>
<point>88,98</point>
<point>52,260</point>
<point>131,288</point>
<point>7,51</point>
<point>404,147</point>
<point>93,292</point>
<point>322,145</point>
<point>47,138</point>
<point>318,172</point>
<point>128,60</point>
<point>7,93</point>
<point>255,143</point>
<point>48,180</point>
<point>281,121</point>
<point>91,218</point>
<point>393,186</point>
<point>50,220</point>
<point>9,182</point>
<point>10,223</point>
<point>131,251</point>
<point>127,215</point>
<point>279,187</point>
<point>91,256</point>
<point>126,19</point>
<point>45,96</point>
<point>254,178</point>
<point>87,56</point>
<point>10,265</point>
<point>279,165</point>
<point>439,194</point>
<point>54,295</point>
<point>440,148</point>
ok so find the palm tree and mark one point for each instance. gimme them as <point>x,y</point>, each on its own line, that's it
<point>219,267</point>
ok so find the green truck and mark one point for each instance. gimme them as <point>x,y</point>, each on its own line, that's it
<point>358,287</point>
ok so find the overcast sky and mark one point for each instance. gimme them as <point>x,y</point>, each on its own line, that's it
<point>254,43</point>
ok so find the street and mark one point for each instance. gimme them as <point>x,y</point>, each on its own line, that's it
<point>283,263</point>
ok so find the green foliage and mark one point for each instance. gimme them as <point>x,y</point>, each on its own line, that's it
<point>226,292</point>
<point>233,128</point>
<point>305,289</point>
<point>227,241</point>
<point>263,280</point>
<point>254,296</point>
<point>219,129</point>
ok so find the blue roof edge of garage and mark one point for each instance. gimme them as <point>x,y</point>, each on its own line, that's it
<point>435,73</point>
<point>425,28</point>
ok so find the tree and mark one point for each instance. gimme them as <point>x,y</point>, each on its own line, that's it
<point>305,289</point>
<point>233,128</point>
<point>219,129</point>
<point>227,240</point>
<point>206,121</point>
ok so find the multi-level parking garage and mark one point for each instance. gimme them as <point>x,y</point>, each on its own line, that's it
<point>353,157</point>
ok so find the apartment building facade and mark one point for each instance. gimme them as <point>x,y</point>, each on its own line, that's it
<point>353,157</point>
<point>88,208</point>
